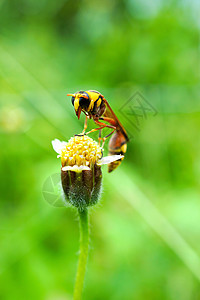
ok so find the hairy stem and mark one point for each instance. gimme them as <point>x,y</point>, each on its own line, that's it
<point>84,246</point>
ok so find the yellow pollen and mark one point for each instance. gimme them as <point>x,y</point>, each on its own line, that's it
<point>81,151</point>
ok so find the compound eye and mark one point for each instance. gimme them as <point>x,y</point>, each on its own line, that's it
<point>73,98</point>
<point>84,102</point>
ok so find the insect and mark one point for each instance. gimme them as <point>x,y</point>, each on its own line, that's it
<point>96,107</point>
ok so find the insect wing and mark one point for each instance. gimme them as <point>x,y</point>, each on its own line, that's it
<point>110,114</point>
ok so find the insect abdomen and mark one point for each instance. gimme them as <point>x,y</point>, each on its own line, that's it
<point>117,145</point>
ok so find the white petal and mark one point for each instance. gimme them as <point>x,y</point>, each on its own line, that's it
<point>108,159</point>
<point>75,168</point>
<point>58,146</point>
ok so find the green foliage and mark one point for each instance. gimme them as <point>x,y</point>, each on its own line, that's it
<point>49,48</point>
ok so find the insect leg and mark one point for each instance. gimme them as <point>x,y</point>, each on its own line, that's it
<point>100,136</point>
<point>85,125</point>
<point>105,137</point>
<point>102,125</point>
<point>111,121</point>
<point>95,129</point>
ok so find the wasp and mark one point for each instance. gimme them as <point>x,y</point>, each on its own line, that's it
<point>96,107</point>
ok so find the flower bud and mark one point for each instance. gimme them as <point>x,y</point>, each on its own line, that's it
<point>82,189</point>
<point>81,175</point>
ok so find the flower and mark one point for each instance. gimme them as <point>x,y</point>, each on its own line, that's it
<point>81,176</point>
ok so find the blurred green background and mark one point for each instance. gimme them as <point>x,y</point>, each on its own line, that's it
<point>145,233</point>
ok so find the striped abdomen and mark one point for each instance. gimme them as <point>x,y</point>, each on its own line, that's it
<point>117,145</point>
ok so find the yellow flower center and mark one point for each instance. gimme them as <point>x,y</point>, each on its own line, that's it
<point>81,151</point>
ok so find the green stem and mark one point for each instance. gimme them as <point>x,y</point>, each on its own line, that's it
<point>84,245</point>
